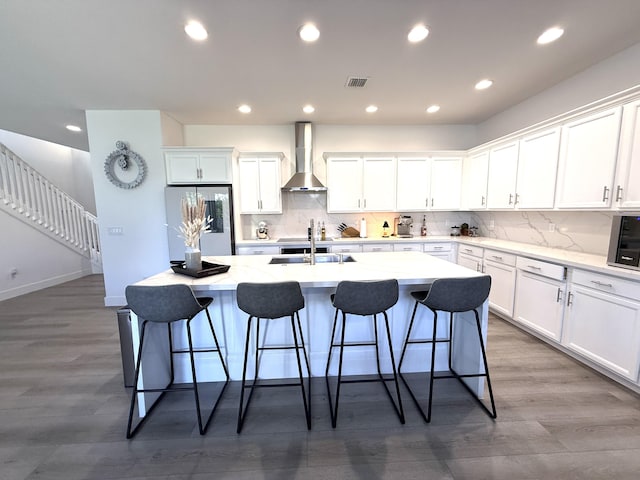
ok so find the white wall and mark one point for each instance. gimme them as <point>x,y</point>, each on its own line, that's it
<point>613,75</point>
<point>142,250</point>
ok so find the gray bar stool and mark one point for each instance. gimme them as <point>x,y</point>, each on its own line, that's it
<point>269,301</point>
<point>452,295</point>
<point>167,304</point>
<point>363,298</point>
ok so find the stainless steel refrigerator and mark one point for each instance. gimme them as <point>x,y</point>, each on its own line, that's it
<point>220,239</point>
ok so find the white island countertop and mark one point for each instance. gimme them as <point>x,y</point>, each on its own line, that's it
<point>409,268</point>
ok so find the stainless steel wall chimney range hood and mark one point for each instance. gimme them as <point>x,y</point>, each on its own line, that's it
<point>304,180</point>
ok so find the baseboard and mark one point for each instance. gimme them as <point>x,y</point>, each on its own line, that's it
<point>40,284</point>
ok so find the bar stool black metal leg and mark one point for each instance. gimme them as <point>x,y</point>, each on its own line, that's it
<point>334,407</point>
<point>196,394</point>
<point>398,408</point>
<point>242,409</point>
<point>433,365</point>
<point>306,401</point>
<point>493,412</point>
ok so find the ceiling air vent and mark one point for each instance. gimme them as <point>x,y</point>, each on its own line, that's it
<point>356,82</point>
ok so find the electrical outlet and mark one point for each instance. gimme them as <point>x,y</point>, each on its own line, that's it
<point>552,227</point>
<point>115,231</point>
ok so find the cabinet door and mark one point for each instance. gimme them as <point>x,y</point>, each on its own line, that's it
<point>537,170</point>
<point>446,182</point>
<point>344,184</point>
<point>627,191</point>
<point>475,174</point>
<point>503,280</point>
<point>182,167</point>
<point>589,149</point>
<point>270,184</point>
<point>604,328</point>
<point>472,263</point>
<point>413,185</point>
<point>215,168</point>
<point>249,172</point>
<point>379,184</point>
<point>503,168</point>
<point>539,304</point>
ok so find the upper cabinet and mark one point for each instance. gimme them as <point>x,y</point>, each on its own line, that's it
<point>537,170</point>
<point>501,183</point>
<point>588,152</point>
<point>428,183</point>
<point>474,181</point>
<point>361,183</point>
<point>186,165</point>
<point>260,183</point>
<point>627,186</point>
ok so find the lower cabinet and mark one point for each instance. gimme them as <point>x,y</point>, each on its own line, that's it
<point>603,321</point>
<point>501,267</point>
<point>540,296</point>
<point>470,257</point>
<point>446,251</point>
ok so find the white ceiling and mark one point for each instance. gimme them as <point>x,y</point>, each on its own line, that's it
<point>60,58</point>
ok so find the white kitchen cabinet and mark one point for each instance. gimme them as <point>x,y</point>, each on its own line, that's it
<point>501,183</point>
<point>540,296</point>
<point>627,185</point>
<point>501,267</point>
<point>470,256</point>
<point>260,183</point>
<point>377,247</point>
<point>444,250</point>
<point>265,250</point>
<point>603,321</point>
<point>588,152</point>
<point>361,184</point>
<point>537,170</point>
<point>186,165</point>
<point>428,183</point>
<point>475,175</point>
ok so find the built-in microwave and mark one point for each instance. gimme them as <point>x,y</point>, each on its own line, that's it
<point>624,244</point>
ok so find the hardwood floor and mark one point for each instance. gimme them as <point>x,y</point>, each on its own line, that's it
<point>63,412</point>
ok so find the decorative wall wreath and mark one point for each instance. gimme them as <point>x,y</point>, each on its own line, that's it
<point>121,159</point>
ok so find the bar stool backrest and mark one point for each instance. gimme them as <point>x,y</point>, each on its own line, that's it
<point>458,294</point>
<point>366,297</point>
<point>270,300</point>
<point>163,303</point>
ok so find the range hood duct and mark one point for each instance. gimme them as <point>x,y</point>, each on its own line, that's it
<point>304,180</point>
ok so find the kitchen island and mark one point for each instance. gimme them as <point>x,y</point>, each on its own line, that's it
<point>413,270</point>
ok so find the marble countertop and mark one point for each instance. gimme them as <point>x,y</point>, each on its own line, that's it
<point>409,268</point>
<point>588,261</point>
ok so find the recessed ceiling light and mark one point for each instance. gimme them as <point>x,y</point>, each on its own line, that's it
<point>308,109</point>
<point>244,109</point>
<point>433,108</point>
<point>73,128</point>
<point>309,32</point>
<point>550,35</point>
<point>371,109</point>
<point>484,84</point>
<point>418,33</point>
<point>196,31</point>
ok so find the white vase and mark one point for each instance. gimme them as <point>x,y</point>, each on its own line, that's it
<point>193,258</point>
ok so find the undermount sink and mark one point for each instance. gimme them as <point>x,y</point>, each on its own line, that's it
<point>323,258</point>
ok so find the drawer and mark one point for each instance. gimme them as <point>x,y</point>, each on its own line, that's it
<point>500,257</point>
<point>384,247</point>
<point>266,250</point>
<point>607,283</point>
<point>437,247</point>
<point>471,250</point>
<point>545,269</point>
<point>407,247</point>
<point>353,248</point>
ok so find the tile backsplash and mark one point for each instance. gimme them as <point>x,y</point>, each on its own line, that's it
<point>586,232</point>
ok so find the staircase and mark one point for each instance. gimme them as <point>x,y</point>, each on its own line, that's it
<point>29,196</point>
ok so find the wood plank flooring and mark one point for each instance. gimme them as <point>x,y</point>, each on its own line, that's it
<point>63,412</point>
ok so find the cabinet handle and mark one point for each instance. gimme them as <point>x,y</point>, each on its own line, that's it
<point>605,194</point>
<point>432,203</point>
<point>438,248</point>
<point>376,249</point>
<point>559,296</point>
<point>426,202</point>
<point>533,267</point>
<point>618,193</point>
<point>480,268</point>
<point>358,203</point>
<point>517,199</point>
<point>497,257</point>
<point>600,284</point>
<point>468,250</point>
<point>365,203</point>
<point>510,198</point>
<point>569,299</point>
<point>258,252</point>
<point>483,201</point>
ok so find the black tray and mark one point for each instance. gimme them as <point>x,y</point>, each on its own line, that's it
<point>207,269</point>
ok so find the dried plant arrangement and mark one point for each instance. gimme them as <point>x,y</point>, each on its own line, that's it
<point>194,219</point>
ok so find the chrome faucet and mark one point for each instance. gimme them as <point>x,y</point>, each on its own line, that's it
<point>312,238</point>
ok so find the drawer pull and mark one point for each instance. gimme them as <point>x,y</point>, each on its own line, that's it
<point>438,248</point>
<point>605,194</point>
<point>559,296</point>
<point>533,267</point>
<point>618,193</point>
<point>497,257</point>
<point>407,249</point>
<point>569,299</point>
<point>468,250</point>
<point>600,284</point>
